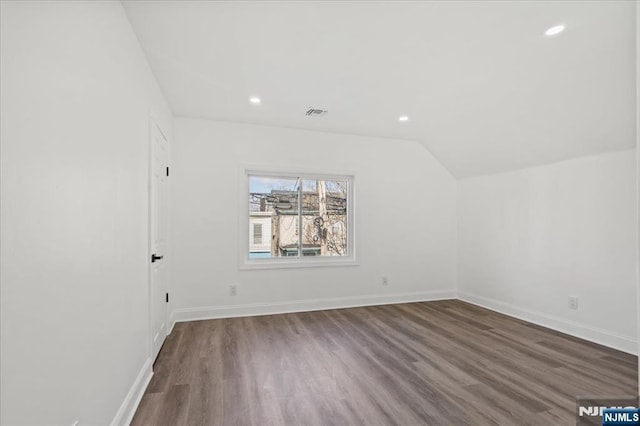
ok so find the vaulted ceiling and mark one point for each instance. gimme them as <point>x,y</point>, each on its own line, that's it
<point>484,88</point>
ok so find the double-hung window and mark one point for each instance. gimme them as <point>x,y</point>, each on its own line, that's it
<point>257,233</point>
<point>296,219</point>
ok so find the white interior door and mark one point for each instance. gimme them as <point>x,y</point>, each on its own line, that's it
<point>158,210</point>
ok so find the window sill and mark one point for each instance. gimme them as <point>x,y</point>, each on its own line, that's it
<point>287,264</point>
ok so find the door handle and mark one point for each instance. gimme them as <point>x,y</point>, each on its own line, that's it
<point>155,257</point>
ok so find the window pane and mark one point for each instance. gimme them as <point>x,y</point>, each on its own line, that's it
<point>273,205</point>
<point>257,233</point>
<point>324,217</point>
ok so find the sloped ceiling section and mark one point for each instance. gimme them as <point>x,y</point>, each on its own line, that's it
<point>484,89</point>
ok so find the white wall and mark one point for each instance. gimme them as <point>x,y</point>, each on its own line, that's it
<point>638,161</point>
<point>405,220</point>
<point>529,239</point>
<point>75,96</point>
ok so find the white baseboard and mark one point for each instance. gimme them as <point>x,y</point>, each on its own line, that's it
<point>255,309</point>
<point>130,404</point>
<point>597,335</point>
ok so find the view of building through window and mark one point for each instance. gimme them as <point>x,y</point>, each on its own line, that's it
<point>297,217</point>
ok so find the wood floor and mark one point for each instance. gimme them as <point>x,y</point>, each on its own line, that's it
<point>427,363</point>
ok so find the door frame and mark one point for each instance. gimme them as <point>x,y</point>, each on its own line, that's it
<point>154,122</point>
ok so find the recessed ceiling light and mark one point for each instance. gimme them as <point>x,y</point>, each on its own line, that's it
<point>403,118</point>
<point>255,100</point>
<point>556,29</point>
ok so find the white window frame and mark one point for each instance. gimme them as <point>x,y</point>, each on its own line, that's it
<point>294,262</point>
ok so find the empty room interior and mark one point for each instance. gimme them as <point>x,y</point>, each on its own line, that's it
<point>319,212</point>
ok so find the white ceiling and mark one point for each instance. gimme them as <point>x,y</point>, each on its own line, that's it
<point>485,90</point>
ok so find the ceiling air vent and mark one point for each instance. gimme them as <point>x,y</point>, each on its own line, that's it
<point>315,112</point>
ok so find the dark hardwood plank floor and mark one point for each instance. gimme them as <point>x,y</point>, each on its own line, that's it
<point>429,363</point>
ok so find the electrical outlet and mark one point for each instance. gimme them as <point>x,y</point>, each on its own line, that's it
<point>233,290</point>
<point>573,302</point>
<point>385,281</point>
